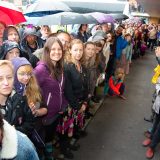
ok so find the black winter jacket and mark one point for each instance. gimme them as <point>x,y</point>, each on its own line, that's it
<point>17,113</point>
<point>76,85</point>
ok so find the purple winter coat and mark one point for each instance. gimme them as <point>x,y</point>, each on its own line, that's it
<point>52,93</point>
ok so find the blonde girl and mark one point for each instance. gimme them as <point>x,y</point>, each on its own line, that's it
<point>76,88</point>
<point>26,85</point>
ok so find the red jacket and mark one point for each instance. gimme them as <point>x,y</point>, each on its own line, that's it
<point>115,86</point>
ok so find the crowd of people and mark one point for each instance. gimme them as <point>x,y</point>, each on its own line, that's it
<point>48,81</point>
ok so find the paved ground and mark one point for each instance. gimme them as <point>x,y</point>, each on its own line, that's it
<point>116,131</point>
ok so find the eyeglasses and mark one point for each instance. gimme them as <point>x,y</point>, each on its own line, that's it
<point>25,74</point>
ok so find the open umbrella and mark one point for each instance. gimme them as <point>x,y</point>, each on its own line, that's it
<point>10,14</point>
<point>119,16</point>
<point>65,18</point>
<point>45,7</point>
<point>102,17</point>
<point>31,20</point>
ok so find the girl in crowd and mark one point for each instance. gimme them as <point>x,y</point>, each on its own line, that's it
<point>11,33</point>
<point>10,50</point>
<point>25,84</point>
<point>76,88</point>
<point>49,73</point>
<point>99,67</point>
<point>88,61</point>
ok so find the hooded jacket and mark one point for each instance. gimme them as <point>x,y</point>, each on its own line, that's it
<point>6,47</point>
<point>5,38</point>
<point>17,63</point>
<point>52,91</point>
<point>5,33</point>
<point>24,45</point>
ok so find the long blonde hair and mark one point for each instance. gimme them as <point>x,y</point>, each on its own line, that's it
<point>32,91</point>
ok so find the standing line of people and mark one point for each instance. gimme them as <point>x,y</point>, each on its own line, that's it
<point>56,79</point>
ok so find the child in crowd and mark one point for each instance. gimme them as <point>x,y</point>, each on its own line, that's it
<point>14,145</point>
<point>25,84</point>
<point>116,84</point>
<point>10,50</point>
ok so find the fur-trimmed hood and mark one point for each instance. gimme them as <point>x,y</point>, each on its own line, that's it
<point>9,143</point>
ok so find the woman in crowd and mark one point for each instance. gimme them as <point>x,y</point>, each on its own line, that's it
<point>100,66</point>
<point>25,84</point>
<point>14,107</point>
<point>50,76</point>
<point>109,53</point>
<point>14,145</point>
<point>88,61</point>
<point>81,32</point>
<point>76,88</point>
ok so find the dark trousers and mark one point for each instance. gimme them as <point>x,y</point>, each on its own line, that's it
<point>152,43</point>
<point>50,131</point>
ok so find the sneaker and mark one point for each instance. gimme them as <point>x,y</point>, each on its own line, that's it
<point>149,153</point>
<point>146,142</point>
